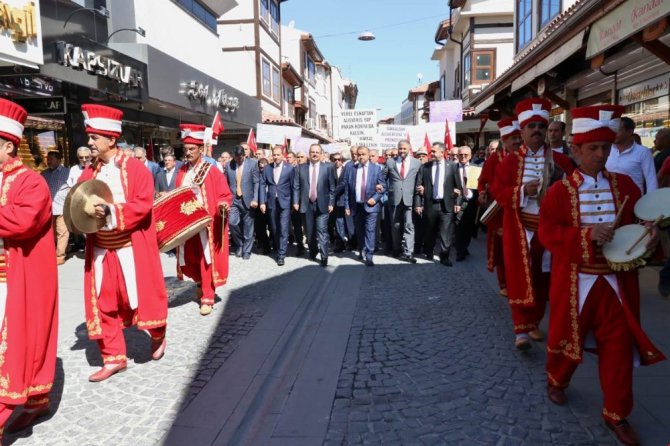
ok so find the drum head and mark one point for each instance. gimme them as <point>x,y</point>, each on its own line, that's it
<point>182,236</point>
<point>624,238</point>
<point>653,205</point>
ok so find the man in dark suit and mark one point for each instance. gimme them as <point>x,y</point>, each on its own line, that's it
<point>276,192</point>
<point>243,178</point>
<point>400,174</point>
<point>338,218</point>
<point>154,168</point>
<point>362,199</point>
<point>314,198</point>
<point>167,177</point>
<point>465,219</point>
<point>436,195</point>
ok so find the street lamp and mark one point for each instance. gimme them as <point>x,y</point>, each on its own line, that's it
<point>137,30</point>
<point>366,36</point>
<point>101,10</point>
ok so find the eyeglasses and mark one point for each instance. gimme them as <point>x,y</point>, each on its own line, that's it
<point>539,125</point>
<point>302,156</point>
<point>463,154</point>
<point>84,157</point>
<point>337,159</point>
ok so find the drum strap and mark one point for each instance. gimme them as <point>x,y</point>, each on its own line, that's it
<point>201,174</point>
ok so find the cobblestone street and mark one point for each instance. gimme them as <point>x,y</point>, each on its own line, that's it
<point>395,354</point>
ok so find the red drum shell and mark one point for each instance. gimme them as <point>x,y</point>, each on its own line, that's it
<point>178,216</point>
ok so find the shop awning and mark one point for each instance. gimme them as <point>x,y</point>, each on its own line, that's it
<point>563,52</point>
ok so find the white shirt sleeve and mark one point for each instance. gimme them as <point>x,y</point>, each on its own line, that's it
<point>648,169</point>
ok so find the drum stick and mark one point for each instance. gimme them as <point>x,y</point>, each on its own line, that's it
<point>646,233</point>
<point>619,214</point>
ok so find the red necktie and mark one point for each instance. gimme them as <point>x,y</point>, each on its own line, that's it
<point>402,169</point>
<point>312,185</point>
<point>363,184</point>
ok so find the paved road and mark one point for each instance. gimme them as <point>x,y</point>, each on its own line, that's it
<point>394,354</point>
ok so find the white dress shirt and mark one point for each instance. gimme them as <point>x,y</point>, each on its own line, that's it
<point>359,179</point>
<point>169,174</point>
<point>636,162</point>
<point>75,173</point>
<point>276,172</point>
<point>439,188</point>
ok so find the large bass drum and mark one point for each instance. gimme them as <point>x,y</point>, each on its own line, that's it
<point>178,216</point>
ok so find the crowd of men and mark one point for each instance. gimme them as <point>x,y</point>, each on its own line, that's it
<point>558,202</point>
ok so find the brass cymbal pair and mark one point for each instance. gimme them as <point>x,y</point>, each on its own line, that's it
<point>79,208</point>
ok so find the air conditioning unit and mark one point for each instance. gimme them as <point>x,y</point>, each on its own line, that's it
<point>310,124</point>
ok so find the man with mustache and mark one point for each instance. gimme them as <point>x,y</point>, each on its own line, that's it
<point>520,184</point>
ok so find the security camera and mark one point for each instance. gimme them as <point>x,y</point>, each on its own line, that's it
<point>141,107</point>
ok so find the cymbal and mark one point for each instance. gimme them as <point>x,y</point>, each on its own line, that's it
<point>79,209</point>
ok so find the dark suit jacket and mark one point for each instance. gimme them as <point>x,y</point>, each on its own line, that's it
<point>283,190</point>
<point>250,180</point>
<point>450,181</point>
<point>325,187</point>
<point>401,190</point>
<point>163,185</point>
<point>340,184</point>
<point>374,177</point>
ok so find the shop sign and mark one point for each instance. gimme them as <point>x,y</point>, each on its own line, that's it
<point>652,88</point>
<point>20,32</point>
<point>623,22</point>
<point>70,55</point>
<point>43,106</point>
<point>217,97</point>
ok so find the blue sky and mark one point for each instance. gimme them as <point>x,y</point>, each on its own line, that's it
<point>385,68</point>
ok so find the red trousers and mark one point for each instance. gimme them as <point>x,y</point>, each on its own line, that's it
<point>604,317</point>
<point>500,261</point>
<point>198,269</point>
<point>115,312</point>
<point>527,318</point>
<point>34,402</point>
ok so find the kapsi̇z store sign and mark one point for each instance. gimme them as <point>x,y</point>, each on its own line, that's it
<point>70,55</point>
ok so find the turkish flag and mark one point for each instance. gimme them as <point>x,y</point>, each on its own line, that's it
<point>447,136</point>
<point>427,145</point>
<point>284,148</point>
<point>217,126</point>
<point>251,141</point>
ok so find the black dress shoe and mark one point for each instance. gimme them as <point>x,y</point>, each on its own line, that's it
<point>312,257</point>
<point>301,252</point>
<point>280,261</point>
<point>324,262</point>
<point>238,252</point>
<point>406,258</point>
<point>246,256</point>
<point>369,263</point>
<point>430,257</point>
<point>360,256</point>
<point>445,261</point>
<point>395,254</point>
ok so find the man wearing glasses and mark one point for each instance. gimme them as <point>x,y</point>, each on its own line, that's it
<point>338,216</point>
<point>520,184</point>
<point>84,160</point>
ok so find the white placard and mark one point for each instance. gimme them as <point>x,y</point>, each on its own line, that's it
<point>302,144</point>
<point>389,135</point>
<point>337,147</point>
<point>440,111</point>
<point>359,126</point>
<point>435,132</point>
<point>276,134</point>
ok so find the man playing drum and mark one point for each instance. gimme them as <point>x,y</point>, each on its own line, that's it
<point>204,257</point>
<point>593,306</point>
<point>123,280</point>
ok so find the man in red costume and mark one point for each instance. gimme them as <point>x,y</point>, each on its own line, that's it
<point>520,184</point>
<point>511,141</point>
<point>28,307</point>
<point>593,306</point>
<point>123,280</point>
<point>204,257</point>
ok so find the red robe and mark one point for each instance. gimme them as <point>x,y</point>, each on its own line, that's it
<point>215,191</point>
<point>29,335</point>
<point>507,190</point>
<point>559,229</point>
<point>484,186</point>
<point>134,216</point>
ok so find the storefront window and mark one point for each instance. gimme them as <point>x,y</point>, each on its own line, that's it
<point>40,136</point>
<point>650,116</point>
